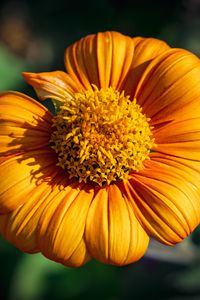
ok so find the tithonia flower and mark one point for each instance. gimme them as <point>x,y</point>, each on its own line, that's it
<point>117,163</point>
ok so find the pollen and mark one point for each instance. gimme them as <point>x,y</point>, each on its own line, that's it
<point>101,136</point>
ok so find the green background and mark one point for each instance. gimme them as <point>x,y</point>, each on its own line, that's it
<point>33,37</point>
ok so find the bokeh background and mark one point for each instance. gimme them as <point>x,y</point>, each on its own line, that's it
<point>33,37</point>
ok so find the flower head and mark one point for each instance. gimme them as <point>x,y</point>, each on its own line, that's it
<point>118,163</point>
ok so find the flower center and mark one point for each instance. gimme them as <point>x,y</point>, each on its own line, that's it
<point>100,136</point>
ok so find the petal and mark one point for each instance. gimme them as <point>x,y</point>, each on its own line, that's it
<point>19,226</point>
<point>169,85</point>
<point>53,85</point>
<point>113,234</point>
<point>115,55</point>
<point>61,226</point>
<point>145,49</point>
<point>97,227</point>
<point>103,59</point>
<point>180,138</point>
<point>21,174</point>
<point>25,125</point>
<point>165,196</point>
<point>80,256</point>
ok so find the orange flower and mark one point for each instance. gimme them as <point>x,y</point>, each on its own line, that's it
<point>120,160</point>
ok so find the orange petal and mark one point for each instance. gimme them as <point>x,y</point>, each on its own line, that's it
<point>19,226</point>
<point>24,124</point>
<point>62,226</point>
<point>113,234</point>
<point>53,85</point>
<point>103,59</point>
<point>80,256</point>
<point>21,174</point>
<point>180,138</point>
<point>165,197</point>
<point>145,49</point>
<point>169,85</point>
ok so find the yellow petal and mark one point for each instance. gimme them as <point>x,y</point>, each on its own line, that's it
<point>180,138</point>
<point>103,59</point>
<point>113,234</point>
<point>62,226</point>
<point>165,196</point>
<point>21,174</point>
<point>53,85</point>
<point>145,50</point>
<point>24,124</point>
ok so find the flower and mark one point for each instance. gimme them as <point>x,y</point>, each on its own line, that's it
<point>118,163</point>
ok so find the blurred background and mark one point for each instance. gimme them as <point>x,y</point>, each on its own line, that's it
<point>33,37</point>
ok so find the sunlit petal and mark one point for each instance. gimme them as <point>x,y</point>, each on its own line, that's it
<point>103,59</point>
<point>25,125</point>
<point>114,222</point>
<point>53,85</point>
<point>145,50</point>
<point>179,138</point>
<point>21,174</point>
<point>19,226</point>
<point>165,196</point>
<point>61,226</point>
<point>169,85</point>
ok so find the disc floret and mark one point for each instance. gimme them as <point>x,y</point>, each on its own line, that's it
<point>101,136</point>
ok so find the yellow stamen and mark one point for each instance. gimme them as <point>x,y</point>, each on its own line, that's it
<point>101,136</point>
